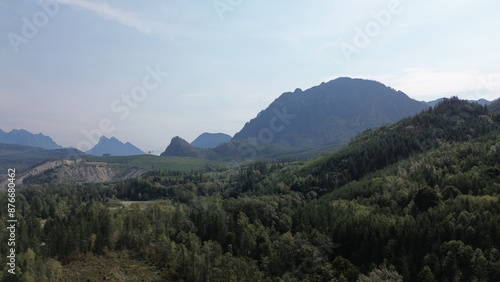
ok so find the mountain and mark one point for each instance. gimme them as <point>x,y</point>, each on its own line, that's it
<point>331,113</point>
<point>304,124</point>
<point>114,147</point>
<point>25,138</point>
<point>210,140</point>
<point>483,102</point>
<point>179,147</point>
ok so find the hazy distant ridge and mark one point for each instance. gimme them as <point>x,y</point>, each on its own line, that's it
<point>26,138</point>
<point>483,102</point>
<point>114,147</point>
<point>210,140</point>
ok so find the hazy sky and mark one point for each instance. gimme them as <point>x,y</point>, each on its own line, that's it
<point>146,71</point>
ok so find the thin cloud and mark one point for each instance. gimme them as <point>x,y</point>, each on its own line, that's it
<point>429,84</point>
<point>170,28</point>
<point>107,12</point>
<point>194,95</point>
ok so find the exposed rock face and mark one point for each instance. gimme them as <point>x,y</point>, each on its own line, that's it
<point>74,171</point>
<point>48,165</point>
<point>89,172</point>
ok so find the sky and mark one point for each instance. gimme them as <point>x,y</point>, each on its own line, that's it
<point>146,71</point>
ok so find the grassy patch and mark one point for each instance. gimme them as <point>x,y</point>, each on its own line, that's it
<point>151,162</point>
<point>111,267</point>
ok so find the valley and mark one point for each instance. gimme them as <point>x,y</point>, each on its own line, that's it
<point>414,200</point>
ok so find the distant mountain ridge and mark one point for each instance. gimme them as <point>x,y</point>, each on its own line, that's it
<point>26,138</point>
<point>114,147</point>
<point>482,102</point>
<point>210,140</point>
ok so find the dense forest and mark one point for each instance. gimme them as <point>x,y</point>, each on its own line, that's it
<point>417,200</point>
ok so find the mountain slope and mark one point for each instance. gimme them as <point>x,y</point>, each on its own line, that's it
<point>332,112</point>
<point>495,106</point>
<point>438,210</point>
<point>26,138</point>
<point>452,120</point>
<point>179,147</point>
<point>78,171</point>
<point>210,140</point>
<point>23,158</point>
<point>114,147</point>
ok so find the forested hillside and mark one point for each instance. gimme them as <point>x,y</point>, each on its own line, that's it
<point>494,107</point>
<point>417,200</point>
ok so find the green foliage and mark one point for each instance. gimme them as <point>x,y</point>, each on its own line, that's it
<point>383,273</point>
<point>495,106</point>
<point>452,120</point>
<point>426,198</point>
